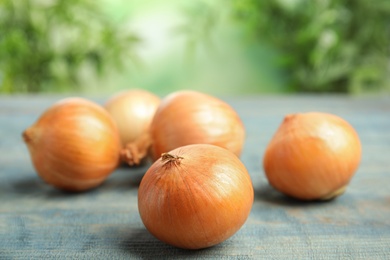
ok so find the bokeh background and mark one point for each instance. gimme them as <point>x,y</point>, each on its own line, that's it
<point>225,47</point>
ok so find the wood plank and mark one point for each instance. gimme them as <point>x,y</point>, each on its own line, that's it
<point>38,221</point>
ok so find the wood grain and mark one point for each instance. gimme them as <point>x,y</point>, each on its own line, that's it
<point>38,221</point>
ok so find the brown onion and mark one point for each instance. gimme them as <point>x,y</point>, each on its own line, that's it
<point>312,156</point>
<point>195,196</point>
<point>190,117</point>
<point>133,111</point>
<point>74,145</point>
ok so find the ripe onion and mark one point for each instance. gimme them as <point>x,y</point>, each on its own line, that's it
<point>190,117</point>
<point>195,196</point>
<point>133,111</point>
<point>74,145</point>
<point>312,156</point>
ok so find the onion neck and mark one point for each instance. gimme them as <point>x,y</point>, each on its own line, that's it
<point>27,135</point>
<point>168,158</point>
<point>135,151</point>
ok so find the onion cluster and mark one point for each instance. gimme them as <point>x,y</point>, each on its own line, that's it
<point>196,193</point>
<point>189,117</point>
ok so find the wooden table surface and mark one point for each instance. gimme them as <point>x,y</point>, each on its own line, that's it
<point>40,222</point>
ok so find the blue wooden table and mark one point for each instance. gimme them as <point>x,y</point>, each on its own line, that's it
<point>40,222</point>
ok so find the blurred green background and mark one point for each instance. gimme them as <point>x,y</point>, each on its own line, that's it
<point>216,46</point>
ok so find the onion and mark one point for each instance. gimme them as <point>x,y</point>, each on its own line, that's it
<point>133,111</point>
<point>190,117</point>
<point>195,196</point>
<point>312,156</point>
<point>74,145</point>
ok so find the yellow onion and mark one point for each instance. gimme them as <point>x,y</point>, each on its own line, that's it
<point>133,111</point>
<point>195,196</point>
<point>190,117</point>
<point>74,145</point>
<point>312,156</point>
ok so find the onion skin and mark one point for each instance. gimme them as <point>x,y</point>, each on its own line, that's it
<point>74,145</point>
<point>133,111</point>
<point>312,156</point>
<point>190,117</point>
<point>195,196</point>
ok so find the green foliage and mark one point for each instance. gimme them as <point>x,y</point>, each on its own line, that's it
<point>216,58</point>
<point>327,45</point>
<point>45,45</point>
<point>198,27</point>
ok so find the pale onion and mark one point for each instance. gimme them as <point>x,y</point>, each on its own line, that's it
<point>133,111</point>
<point>312,156</point>
<point>74,145</point>
<point>190,117</point>
<point>195,196</point>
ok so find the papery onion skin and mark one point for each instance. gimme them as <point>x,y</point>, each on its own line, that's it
<point>195,196</point>
<point>312,156</point>
<point>74,145</point>
<point>190,117</point>
<point>133,111</point>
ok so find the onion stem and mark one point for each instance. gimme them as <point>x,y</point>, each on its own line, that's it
<point>134,152</point>
<point>169,158</point>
